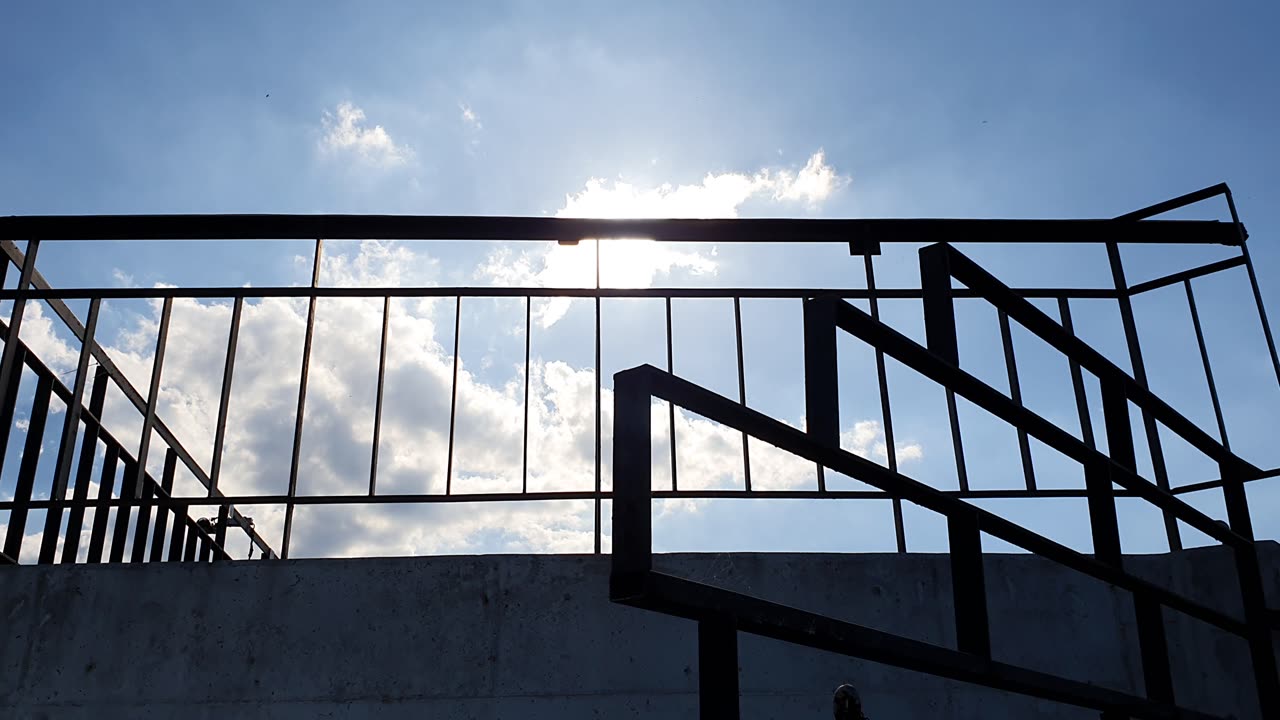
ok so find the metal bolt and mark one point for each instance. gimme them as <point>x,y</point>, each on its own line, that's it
<point>848,704</point>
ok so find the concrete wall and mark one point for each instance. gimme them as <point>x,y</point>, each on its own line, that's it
<point>534,637</point>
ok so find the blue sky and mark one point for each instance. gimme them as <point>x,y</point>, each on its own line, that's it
<point>975,109</point>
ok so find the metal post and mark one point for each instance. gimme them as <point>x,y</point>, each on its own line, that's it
<point>939,306</point>
<point>178,536</point>
<point>9,364</point>
<point>102,511</point>
<point>162,507</point>
<point>1154,648</point>
<point>302,401</point>
<point>1140,374</point>
<point>153,399</point>
<point>598,527</point>
<point>1077,379</point>
<point>84,471</point>
<point>27,469</point>
<point>742,388</point>
<point>67,444</point>
<point>1115,414</point>
<point>1253,282</point>
<point>191,547</point>
<point>9,400</point>
<point>453,395</point>
<point>128,493</point>
<point>717,669</point>
<point>144,519</point>
<point>220,534</point>
<point>882,380</point>
<point>1015,393</point>
<point>1103,523</point>
<point>524,442</point>
<point>1252,593</point>
<point>377,406</point>
<point>1208,369</point>
<point>1152,643</point>
<point>940,335</point>
<point>821,378</point>
<point>968,584</point>
<point>671,407</point>
<point>224,399</point>
<point>632,478</point>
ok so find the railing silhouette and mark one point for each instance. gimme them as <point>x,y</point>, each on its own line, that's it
<point>139,518</point>
<point>721,613</point>
<point>64,493</point>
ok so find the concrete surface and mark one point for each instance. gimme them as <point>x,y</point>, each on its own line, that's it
<point>510,636</point>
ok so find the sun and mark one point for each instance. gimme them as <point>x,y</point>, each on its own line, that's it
<point>627,262</point>
<point>623,263</point>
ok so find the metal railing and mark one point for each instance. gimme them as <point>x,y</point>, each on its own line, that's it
<point>721,613</point>
<point>175,535</point>
<point>865,238</point>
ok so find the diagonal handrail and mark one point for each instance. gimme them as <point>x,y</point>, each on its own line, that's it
<point>633,580</point>
<point>948,263</point>
<point>131,393</point>
<point>100,433</point>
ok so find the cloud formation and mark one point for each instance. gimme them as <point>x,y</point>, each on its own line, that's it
<point>866,439</point>
<point>469,117</point>
<point>717,196</point>
<point>346,131</point>
<point>633,263</point>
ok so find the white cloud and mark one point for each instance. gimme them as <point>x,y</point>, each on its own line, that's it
<point>813,184</point>
<point>39,335</point>
<point>469,116</point>
<point>867,440</point>
<point>717,196</point>
<point>345,130</point>
<point>625,263</point>
<point>633,263</point>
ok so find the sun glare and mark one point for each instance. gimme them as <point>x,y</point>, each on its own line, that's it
<point>637,262</point>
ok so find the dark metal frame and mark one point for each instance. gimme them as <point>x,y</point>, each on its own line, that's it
<point>864,237</point>
<point>137,487</point>
<point>145,495</point>
<point>634,582</point>
<point>721,614</point>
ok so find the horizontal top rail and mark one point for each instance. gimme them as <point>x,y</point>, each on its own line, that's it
<point>553,495</point>
<point>863,235</point>
<point>306,291</point>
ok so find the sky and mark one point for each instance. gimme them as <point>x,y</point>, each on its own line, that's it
<point>611,109</point>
